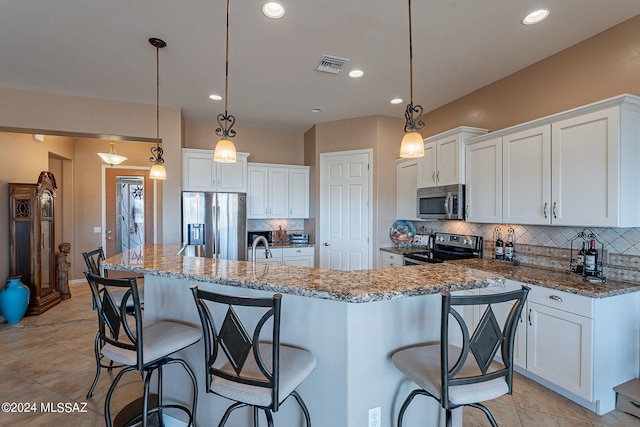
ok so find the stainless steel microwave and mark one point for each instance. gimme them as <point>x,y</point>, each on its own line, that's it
<point>444,202</point>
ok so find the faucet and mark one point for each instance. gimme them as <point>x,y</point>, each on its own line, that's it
<point>267,252</point>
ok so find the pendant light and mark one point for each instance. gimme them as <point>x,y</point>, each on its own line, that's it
<point>412,142</point>
<point>225,151</point>
<point>157,170</point>
<point>111,158</point>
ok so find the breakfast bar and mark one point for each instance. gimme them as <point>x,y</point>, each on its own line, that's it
<point>350,320</point>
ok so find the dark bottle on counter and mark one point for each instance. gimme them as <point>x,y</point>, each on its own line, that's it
<point>508,248</point>
<point>580,260</point>
<point>591,260</point>
<point>499,247</point>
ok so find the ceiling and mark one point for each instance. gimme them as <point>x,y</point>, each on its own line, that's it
<point>99,49</point>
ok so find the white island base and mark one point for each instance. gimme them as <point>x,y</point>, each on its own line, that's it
<point>352,343</point>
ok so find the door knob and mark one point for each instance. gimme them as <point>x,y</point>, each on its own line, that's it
<point>327,244</point>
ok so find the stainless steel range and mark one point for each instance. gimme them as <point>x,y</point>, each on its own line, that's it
<point>447,246</point>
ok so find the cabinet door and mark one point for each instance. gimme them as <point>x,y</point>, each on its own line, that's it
<point>559,348</point>
<point>427,166</point>
<point>232,177</point>
<point>299,193</point>
<point>198,170</point>
<point>298,261</point>
<point>407,179</point>
<point>391,260</point>
<point>448,161</point>
<point>483,191</point>
<point>278,193</point>
<point>258,192</point>
<point>585,158</point>
<point>526,179</point>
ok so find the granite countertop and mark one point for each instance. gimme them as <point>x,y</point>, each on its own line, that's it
<point>405,250</point>
<point>547,278</point>
<point>348,286</point>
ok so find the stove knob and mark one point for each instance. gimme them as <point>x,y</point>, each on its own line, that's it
<point>465,242</point>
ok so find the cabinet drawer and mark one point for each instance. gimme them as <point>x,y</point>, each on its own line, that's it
<point>391,260</point>
<point>302,251</point>
<point>577,304</point>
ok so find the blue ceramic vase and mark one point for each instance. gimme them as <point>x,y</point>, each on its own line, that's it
<point>14,299</point>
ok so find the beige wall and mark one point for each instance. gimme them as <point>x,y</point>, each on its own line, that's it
<point>88,191</point>
<point>21,160</point>
<point>264,146</point>
<point>22,110</point>
<point>600,67</point>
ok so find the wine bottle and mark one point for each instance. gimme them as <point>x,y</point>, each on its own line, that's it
<point>580,260</point>
<point>499,247</point>
<point>591,260</point>
<point>508,248</point>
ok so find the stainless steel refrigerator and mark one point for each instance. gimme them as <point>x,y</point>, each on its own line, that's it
<point>214,225</point>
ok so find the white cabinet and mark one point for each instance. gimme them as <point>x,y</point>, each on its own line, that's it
<point>443,162</point>
<point>298,191</point>
<point>576,168</point>
<point>301,257</point>
<point>526,179</point>
<point>578,346</point>
<point>390,259</point>
<point>295,256</point>
<point>277,191</point>
<point>483,190</point>
<point>407,181</point>
<point>201,173</point>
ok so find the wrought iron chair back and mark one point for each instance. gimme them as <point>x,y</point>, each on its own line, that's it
<point>94,259</point>
<point>231,343</point>
<point>487,338</point>
<point>115,314</point>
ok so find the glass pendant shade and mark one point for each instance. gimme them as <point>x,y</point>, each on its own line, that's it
<point>225,152</point>
<point>111,157</point>
<point>158,172</point>
<point>412,145</point>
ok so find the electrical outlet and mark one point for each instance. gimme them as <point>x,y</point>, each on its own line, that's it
<point>374,417</point>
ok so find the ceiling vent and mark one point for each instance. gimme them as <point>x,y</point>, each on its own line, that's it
<point>331,64</point>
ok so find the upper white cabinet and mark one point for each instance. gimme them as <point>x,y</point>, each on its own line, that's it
<point>277,191</point>
<point>483,190</point>
<point>407,181</point>
<point>526,176</point>
<point>201,173</point>
<point>577,168</point>
<point>444,157</point>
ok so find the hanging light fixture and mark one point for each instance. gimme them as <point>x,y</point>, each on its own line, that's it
<point>157,170</point>
<point>412,143</point>
<point>111,158</point>
<point>225,151</point>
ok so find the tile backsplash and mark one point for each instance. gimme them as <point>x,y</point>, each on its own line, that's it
<point>550,247</point>
<point>274,224</point>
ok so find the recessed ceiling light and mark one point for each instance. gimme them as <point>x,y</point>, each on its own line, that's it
<point>215,97</point>
<point>396,101</point>
<point>316,110</point>
<point>356,74</point>
<point>273,10</point>
<point>535,17</point>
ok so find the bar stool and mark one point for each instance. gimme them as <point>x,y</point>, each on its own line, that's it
<point>445,371</point>
<point>137,347</point>
<point>248,371</point>
<point>94,259</point>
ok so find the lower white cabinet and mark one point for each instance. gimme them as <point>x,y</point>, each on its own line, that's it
<point>580,347</point>
<point>296,256</point>
<point>390,259</point>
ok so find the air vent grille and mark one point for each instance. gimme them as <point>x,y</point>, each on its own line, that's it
<point>331,64</point>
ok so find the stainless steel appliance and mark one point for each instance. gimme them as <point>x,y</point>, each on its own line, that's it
<point>447,246</point>
<point>214,225</point>
<point>444,202</point>
<point>252,235</point>
<point>298,238</point>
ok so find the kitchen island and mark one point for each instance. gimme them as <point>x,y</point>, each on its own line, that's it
<point>351,320</point>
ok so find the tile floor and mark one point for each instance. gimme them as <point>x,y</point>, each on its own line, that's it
<point>48,359</point>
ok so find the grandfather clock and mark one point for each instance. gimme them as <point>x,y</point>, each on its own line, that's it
<point>32,240</point>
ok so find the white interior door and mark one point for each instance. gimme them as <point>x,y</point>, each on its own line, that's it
<point>345,211</point>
